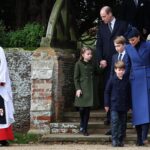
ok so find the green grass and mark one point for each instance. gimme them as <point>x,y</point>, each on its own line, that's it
<point>24,138</point>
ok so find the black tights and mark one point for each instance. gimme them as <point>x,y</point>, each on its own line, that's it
<point>84,116</point>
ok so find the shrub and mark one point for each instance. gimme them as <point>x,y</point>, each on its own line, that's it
<point>29,36</point>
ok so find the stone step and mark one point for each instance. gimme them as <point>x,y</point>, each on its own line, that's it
<point>94,116</point>
<point>79,138</point>
<point>93,127</point>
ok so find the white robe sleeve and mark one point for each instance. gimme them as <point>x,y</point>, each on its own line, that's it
<point>3,66</point>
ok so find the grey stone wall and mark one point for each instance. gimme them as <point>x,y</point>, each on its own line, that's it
<point>19,63</point>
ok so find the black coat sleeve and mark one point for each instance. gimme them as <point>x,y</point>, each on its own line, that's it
<point>99,45</point>
<point>107,93</point>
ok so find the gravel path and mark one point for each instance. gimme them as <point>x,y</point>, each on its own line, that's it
<point>72,147</point>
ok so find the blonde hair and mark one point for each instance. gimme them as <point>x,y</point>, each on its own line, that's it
<point>83,50</point>
<point>120,40</point>
<point>119,64</point>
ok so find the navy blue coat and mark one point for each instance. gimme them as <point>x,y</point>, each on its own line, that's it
<point>104,45</point>
<point>140,82</point>
<point>117,94</point>
<point>125,59</point>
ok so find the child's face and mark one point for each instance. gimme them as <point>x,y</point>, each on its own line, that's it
<point>120,72</point>
<point>87,55</point>
<point>119,47</point>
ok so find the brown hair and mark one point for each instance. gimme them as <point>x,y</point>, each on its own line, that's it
<point>119,64</point>
<point>120,40</point>
<point>83,50</point>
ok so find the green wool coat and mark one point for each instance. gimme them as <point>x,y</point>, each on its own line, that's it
<point>83,79</point>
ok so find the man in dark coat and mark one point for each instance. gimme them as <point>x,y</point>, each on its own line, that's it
<point>135,12</point>
<point>109,28</point>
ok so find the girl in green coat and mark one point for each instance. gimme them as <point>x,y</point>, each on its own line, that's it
<point>83,80</point>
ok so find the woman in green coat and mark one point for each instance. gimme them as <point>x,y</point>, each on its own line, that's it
<point>83,80</point>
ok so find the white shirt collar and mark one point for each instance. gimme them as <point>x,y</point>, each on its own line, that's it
<point>123,53</point>
<point>113,22</point>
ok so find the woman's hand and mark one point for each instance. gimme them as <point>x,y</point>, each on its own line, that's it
<point>78,93</point>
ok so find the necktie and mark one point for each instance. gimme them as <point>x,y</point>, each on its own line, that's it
<point>110,27</point>
<point>120,56</point>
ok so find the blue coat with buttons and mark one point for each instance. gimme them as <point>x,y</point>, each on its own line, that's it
<point>117,94</point>
<point>140,82</point>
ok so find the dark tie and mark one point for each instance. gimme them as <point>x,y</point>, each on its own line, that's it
<point>110,27</point>
<point>120,56</point>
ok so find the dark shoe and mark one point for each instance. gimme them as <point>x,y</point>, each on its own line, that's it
<point>81,130</point>
<point>139,144</point>
<point>106,122</point>
<point>120,144</point>
<point>114,144</point>
<point>86,134</point>
<point>4,143</point>
<point>108,132</point>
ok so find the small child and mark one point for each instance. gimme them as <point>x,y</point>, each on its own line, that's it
<point>117,97</point>
<point>119,43</point>
<point>83,80</point>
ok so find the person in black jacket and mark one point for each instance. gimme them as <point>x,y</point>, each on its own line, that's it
<point>136,13</point>
<point>117,97</point>
<point>109,28</point>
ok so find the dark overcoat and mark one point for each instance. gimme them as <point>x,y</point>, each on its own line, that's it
<point>125,59</point>
<point>140,82</point>
<point>117,94</point>
<point>105,42</point>
<point>83,80</point>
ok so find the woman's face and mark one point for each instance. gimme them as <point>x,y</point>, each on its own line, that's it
<point>134,40</point>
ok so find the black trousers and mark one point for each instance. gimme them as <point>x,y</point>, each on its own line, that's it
<point>142,132</point>
<point>84,118</point>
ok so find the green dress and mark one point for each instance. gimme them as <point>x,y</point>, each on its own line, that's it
<point>83,80</point>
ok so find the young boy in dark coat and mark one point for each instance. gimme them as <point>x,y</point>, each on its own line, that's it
<point>117,97</point>
<point>119,43</point>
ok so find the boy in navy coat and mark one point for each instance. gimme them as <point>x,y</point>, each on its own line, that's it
<point>117,99</point>
<point>119,43</point>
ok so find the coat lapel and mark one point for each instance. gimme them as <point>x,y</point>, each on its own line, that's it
<point>116,26</point>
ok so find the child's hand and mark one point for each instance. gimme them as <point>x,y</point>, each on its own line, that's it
<point>106,109</point>
<point>78,93</point>
<point>1,112</point>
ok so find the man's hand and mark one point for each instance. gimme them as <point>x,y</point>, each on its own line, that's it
<point>106,109</point>
<point>103,63</point>
<point>78,93</point>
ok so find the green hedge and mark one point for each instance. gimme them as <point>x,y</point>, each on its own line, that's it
<point>29,36</point>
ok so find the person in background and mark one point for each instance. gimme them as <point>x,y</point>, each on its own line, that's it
<point>6,103</point>
<point>138,51</point>
<point>109,28</point>
<point>136,13</point>
<point>117,99</point>
<point>83,79</point>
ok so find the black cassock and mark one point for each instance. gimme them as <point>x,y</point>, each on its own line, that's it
<point>2,118</point>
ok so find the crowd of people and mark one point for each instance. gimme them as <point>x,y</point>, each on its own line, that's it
<point>123,55</point>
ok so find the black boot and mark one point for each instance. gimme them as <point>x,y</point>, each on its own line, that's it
<point>4,143</point>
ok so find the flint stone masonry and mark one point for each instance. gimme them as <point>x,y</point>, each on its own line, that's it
<point>19,63</point>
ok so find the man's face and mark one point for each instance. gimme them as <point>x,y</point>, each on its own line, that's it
<point>106,17</point>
